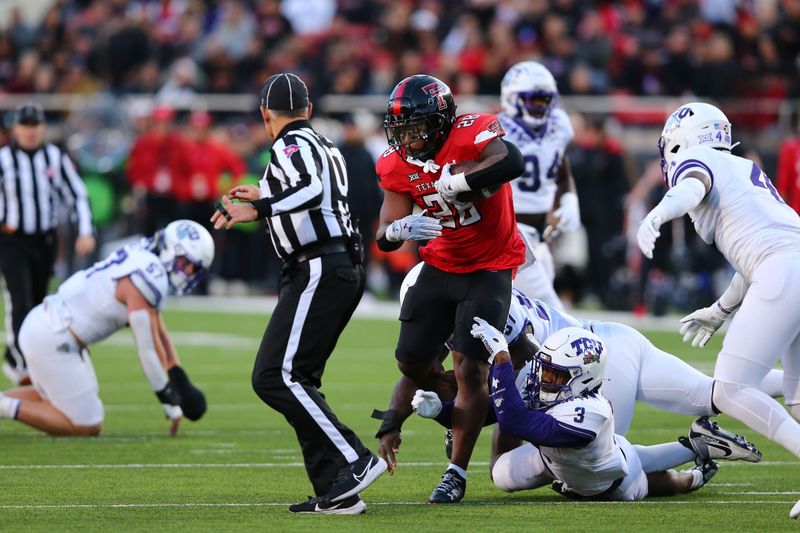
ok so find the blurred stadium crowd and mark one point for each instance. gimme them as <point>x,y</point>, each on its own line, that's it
<point>166,52</point>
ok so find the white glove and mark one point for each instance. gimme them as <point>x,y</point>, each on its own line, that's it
<point>449,185</point>
<point>414,228</point>
<point>173,412</point>
<point>568,213</point>
<point>492,339</point>
<point>648,233</point>
<point>426,404</point>
<point>703,323</point>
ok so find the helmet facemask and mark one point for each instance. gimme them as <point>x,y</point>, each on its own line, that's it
<point>534,107</point>
<point>403,132</point>
<point>549,383</point>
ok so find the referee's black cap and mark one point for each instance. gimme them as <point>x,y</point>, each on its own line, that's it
<point>284,92</point>
<point>29,113</point>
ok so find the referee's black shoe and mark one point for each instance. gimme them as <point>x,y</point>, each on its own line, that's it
<point>356,477</point>
<point>321,505</point>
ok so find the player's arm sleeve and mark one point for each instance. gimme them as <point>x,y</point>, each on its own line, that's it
<point>680,199</point>
<point>300,166</point>
<point>501,162</point>
<point>536,427</point>
<point>148,342</point>
<point>734,294</point>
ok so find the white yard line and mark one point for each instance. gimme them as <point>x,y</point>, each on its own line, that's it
<point>197,465</point>
<point>388,504</point>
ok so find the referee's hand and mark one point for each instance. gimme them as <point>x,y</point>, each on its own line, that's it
<point>228,214</point>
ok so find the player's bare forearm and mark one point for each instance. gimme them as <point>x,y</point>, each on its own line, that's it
<point>169,348</point>
<point>395,206</point>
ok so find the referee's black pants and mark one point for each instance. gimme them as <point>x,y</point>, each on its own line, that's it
<point>26,262</point>
<point>317,298</point>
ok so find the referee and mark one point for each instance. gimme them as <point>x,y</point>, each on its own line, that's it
<point>303,197</point>
<point>35,178</point>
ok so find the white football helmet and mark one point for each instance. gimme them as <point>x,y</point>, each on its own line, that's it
<point>693,124</point>
<point>181,243</point>
<point>571,362</point>
<point>528,92</point>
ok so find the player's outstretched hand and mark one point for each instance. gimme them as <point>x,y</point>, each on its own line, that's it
<point>416,227</point>
<point>388,448</point>
<point>492,339</point>
<point>648,233</point>
<point>426,404</point>
<point>702,324</point>
<point>228,214</point>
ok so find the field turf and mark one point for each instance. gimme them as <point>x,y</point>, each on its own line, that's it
<point>240,467</point>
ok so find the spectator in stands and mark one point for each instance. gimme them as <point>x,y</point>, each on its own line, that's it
<point>209,160</point>
<point>788,178</point>
<point>158,168</point>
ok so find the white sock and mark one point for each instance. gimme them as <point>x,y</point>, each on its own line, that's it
<point>9,407</point>
<point>697,478</point>
<point>660,457</point>
<point>461,471</point>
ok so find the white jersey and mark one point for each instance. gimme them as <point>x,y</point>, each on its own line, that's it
<point>87,301</point>
<point>534,191</point>
<point>742,213</point>
<point>544,319</point>
<point>593,468</point>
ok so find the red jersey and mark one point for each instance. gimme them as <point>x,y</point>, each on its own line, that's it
<point>479,236</point>
<point>788,179</point>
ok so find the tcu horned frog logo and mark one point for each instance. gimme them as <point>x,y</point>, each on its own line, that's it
<point>588,348</point>
<point>435,90</point>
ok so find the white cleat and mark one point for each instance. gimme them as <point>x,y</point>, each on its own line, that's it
<point>795,512</point>
<point>709,441</point>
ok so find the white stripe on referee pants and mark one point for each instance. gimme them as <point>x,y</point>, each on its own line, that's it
<point>315,273</point>
<point>10,337</point>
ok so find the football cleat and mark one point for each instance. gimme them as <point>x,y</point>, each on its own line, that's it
<point>321,505</point>
<point>450,489</point>
<point>795,512</point>
<point>448,442</point>
<point>702,473</point>
<point>709,441</point>
<point>356,477</point>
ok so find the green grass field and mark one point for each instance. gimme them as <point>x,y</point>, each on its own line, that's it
<point>240,466</point>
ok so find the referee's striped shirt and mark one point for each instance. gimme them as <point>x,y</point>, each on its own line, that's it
<point>33,185</point>
<point>306,182</point>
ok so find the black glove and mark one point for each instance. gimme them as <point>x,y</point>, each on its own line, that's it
<point>193,401</point>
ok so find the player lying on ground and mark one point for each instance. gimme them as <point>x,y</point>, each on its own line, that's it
<point>129,287</point>
<point>569,425</point>
<point>637,370</point>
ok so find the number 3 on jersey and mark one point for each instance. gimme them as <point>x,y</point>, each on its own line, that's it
<point>467,213</point>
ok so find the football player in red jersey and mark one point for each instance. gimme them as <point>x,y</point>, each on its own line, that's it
<point>471,256</point>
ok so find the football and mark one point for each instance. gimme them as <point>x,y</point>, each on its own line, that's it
<point>470,196</point>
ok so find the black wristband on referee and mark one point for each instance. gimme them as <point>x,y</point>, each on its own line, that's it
<point>169,395</point>
<point>392,421</point>
<point>262,207</point>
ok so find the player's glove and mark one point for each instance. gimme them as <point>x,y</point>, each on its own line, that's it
<point>648,233</point>
<point>492,339</point>
<point>568,213</point>
<point>703,323</point>
<point>426,404</point>
<point>449,185</point>
<point>416,227</point>
<point>193,401</point>
<point>171,402</point>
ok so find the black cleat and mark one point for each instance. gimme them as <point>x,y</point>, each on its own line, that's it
<point>709,441</point>
<point>356,477</point>
<point>321,505</point>
<point>450,489</point>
